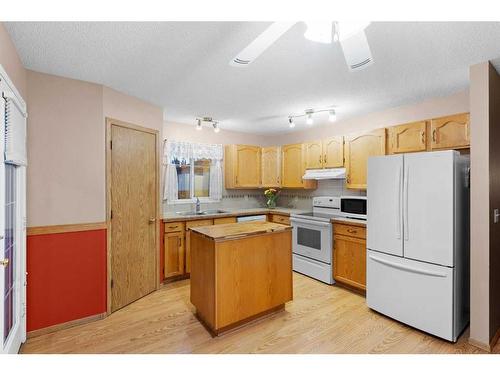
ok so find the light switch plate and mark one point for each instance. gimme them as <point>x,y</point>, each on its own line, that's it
<point>496,216</point>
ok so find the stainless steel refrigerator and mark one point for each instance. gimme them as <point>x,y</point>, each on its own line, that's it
<point>418,240</point>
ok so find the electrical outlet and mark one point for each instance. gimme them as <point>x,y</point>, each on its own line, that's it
<point>496,216</point>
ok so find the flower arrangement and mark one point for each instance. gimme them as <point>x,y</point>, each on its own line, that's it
<point>271,195</point>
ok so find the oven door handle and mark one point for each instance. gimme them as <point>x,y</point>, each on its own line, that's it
<point>310,222</point>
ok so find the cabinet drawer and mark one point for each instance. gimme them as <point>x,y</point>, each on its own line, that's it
<point>225,220</point>
<point>174,227</point>
<point>199,223</point>
<point>349,230</point>
<point>280,219</point>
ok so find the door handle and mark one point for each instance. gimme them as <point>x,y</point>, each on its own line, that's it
<point>152,220</point>
<point>4,262</point>
<point>434,135</point>
<point>405,207</point>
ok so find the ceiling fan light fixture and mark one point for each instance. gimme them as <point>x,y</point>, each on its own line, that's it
<point>320,31</point>
<point>345,29</point>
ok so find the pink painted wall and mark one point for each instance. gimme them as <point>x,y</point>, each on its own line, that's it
<point>431,108</point>
<point>11,62</point>
<point>66,146</point>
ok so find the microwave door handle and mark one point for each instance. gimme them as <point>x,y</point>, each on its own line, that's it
<point>405,197</point>
<point>398,205</point>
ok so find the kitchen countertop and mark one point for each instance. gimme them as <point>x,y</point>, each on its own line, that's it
<point>238,230</point>
<point>346,220</point>
<point>172,216</point>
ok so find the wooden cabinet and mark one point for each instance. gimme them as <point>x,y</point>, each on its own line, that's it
<point>279,219</point>
<point>325,154</point>
<point>271,171</point>
<point>314,155</point>
<point>357,149</point>
<point>408,137</point>
<point>174,254</point>
<point>242,166</point>
<point>333,152</point>
<point>450,132</point>
<point>349,255</point>
<point>189,225</point>
<point>293,167</point>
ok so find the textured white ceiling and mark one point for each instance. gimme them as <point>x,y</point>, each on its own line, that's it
<point>183,66</point>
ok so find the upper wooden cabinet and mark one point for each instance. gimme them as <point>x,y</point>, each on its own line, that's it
<point>271,166</point>
<point>242,166</point>
<point>450,132</point>
<point>328,153</point>
<point>293,167</point>
<point>358,148</point>
<point>314,155</point>
<point>408,137</point>
<point>333,152</point>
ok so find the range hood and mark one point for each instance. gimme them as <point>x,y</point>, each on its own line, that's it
<point>325,174</point>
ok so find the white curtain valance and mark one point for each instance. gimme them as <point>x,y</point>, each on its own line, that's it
<point>187,150</point>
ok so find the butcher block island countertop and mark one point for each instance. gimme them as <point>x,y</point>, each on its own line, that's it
<point>240,272</point>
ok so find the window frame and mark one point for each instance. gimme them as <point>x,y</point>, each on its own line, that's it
<point>192,198</point>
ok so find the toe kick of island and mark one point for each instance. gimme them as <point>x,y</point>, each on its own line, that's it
<point>240,272</point>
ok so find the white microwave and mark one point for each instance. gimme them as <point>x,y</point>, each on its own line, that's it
<point>353,207</point>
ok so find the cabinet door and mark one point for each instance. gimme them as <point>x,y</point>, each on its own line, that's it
<point>408,137</point>
<point>271,166</point>
<point>333,152</point>
<point>292,166</point>
<point>349,261</point>
<point>247,166</point>
<point>450,132</point>
<point>313,155</point>
<point>174,254</point>
<point>358,148</point>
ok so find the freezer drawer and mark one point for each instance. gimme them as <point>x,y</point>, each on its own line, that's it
<point>416,293</point>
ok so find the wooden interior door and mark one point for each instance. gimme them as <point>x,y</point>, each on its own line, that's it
<point>292,166</point>
<point>333,152</point>
<point>247,166</point>
<point>408,137</point>
<point>133,204</point>
<point>450,132</point>
<point>271,170</point>
<point>314,155</point>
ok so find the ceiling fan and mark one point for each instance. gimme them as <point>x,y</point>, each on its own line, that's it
<point>350,35</point>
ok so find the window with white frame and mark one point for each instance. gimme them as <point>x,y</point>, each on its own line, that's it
<point>192,170</point>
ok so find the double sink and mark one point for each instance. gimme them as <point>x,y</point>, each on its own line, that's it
<point>201,213</point>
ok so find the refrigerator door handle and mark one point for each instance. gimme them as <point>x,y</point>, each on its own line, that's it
<point>405,198</point>
<point>398,205</point>
<point>406,268</point>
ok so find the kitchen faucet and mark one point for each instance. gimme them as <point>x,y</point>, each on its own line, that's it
<point>198,207</point>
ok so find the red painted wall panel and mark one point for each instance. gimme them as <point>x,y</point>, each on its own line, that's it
<point>66,277</point>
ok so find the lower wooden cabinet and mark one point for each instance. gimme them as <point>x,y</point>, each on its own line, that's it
<point>349,255</point>
<point>174,254</point>
<point>192,224</point>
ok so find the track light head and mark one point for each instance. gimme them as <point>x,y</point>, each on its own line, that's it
<point>216,126</point>
<point>332,116</point>
<point>198,124</point>
<point>291,123</point>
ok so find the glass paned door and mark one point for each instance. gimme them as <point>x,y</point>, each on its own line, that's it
<point>9,255</point>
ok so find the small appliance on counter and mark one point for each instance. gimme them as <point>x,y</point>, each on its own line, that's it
<point>312,234</point>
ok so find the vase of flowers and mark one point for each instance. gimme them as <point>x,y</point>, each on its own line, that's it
<point>271,195</point>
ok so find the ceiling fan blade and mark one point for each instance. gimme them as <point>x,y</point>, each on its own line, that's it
<point>261,43</point>
<point>357,51</point>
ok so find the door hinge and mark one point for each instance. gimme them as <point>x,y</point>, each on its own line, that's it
<point>111,214</point>
<point>111,145</point>
<point>112,283</point>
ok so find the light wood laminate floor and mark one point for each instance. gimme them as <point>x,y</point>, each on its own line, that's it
<point>321,319</point>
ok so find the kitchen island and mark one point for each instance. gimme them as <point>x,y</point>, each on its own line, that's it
<point>240,272</point>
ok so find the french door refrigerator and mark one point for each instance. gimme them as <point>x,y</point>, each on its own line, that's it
<point>418,240</point>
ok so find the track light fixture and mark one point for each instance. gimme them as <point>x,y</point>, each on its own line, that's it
<point>200,120</point>
<point>308,114</point>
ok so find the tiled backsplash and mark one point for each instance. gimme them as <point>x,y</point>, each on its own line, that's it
<point>301,199</point>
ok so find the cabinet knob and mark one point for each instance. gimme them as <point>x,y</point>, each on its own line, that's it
<point>4,262</point>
